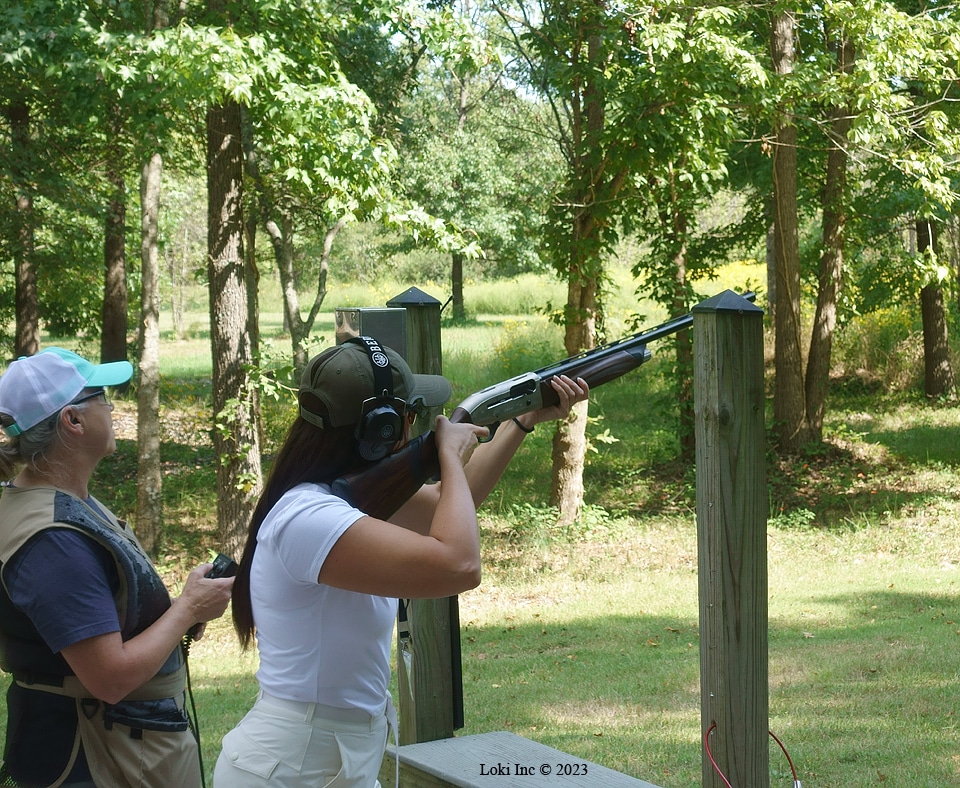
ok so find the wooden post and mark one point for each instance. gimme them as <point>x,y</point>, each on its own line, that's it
<point>429,677</point>
<point>731,534</point>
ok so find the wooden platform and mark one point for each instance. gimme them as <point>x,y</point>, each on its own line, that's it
<point>496,760</point>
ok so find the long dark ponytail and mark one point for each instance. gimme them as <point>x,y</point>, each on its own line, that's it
<point>309,454</point>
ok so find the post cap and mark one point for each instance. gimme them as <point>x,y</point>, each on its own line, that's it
<point>727,301</point>
<point>413,296</point>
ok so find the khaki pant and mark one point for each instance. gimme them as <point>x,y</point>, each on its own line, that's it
<point>287,743</point>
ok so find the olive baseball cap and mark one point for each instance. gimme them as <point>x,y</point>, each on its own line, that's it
<point>341,379</point>
<point>35,387</point>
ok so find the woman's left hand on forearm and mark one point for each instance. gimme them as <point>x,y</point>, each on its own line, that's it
<point>569,391</point>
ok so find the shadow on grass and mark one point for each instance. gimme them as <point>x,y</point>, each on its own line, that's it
<point>618,690</point>
<point>864,694</point>
<point>870,692</point>
<point>921,443</point>
<point>845,487</point>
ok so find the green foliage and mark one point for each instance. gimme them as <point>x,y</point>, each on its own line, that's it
<point>526,345</point>
<point>699,61</point>
<point>235,411</point>
<point>472,154</point>
<point>535,527</point>
<point>883,347</point>
<point>72,255</point>
<point>100,89</point>
<point>790,519</point>
<point>273,382</point>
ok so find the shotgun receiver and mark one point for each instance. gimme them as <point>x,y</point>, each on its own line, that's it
<point>384,487</point>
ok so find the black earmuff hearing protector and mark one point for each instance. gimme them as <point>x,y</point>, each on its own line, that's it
<point>381,418</point>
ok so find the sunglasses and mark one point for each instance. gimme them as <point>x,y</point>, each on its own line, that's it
<point>94,395</point>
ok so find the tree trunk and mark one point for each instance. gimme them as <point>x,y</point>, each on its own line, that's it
<point>570,437</point>
<point>938,380</point>
<point>789,408</point>
<point>676,232</point>
<point>771,260</point>
<point>149,477</point>
<point>113,339</point>
<point>281,239</point>
<point>456,283</point>
<point>27,329</point>
<point>279,224</point>
<point>684,382</point>
<point>252,273</point>
<point>831,260</point>
<point>236,439</point>
<point>584,266</point>
<point>456,258</point>
<point>176,269</point>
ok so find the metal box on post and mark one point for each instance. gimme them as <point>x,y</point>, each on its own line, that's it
<point>387,326</point>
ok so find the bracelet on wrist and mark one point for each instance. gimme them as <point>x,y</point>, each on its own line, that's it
<point>528,431</point>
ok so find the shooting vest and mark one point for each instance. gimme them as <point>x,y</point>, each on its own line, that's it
<point>144,740</point>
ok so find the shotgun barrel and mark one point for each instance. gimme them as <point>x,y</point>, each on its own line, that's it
<point>385,486</point>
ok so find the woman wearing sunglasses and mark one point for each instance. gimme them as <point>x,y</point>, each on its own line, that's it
<point>87,627</point>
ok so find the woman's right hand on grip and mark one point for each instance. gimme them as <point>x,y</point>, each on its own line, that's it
<point>458,439</point>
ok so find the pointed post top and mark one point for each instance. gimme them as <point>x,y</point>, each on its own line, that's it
<point>728,301</point>
<point>413,296</point>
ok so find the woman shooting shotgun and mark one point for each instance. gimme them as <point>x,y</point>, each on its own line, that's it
<point>319,577</point>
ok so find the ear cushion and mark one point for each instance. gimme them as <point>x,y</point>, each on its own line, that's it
<point>382,427</point>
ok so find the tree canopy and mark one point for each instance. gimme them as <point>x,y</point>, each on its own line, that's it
<point>517,135</point>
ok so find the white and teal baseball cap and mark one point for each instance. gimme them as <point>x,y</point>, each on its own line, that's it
<point>35,387</point>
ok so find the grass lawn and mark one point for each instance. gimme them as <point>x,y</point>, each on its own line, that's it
<point>586,638</point>
<point>592,647</point>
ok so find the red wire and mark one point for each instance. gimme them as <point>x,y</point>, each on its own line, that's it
<point>706,746</point>
<point>789,760</point>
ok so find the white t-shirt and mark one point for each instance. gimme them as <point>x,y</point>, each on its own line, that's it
<point>317,643</point>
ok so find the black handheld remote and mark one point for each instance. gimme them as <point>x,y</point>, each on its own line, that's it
<point>223,566</point>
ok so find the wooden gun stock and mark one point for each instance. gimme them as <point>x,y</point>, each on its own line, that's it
<point>387,485</point>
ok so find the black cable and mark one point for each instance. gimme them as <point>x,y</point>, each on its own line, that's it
<point>192,717</point>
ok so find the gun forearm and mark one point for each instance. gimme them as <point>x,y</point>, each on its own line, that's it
<point>532,391</point>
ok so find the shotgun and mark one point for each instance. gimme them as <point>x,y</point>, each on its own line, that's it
<point>385,486</point>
